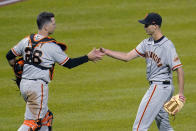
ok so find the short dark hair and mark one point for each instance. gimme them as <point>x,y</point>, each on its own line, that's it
<point>43,18</point>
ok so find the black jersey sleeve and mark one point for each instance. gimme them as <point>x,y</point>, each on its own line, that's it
<point>10,55</point>
<point>73,62</point>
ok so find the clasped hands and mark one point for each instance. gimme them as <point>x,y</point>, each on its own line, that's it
<point>96,54</point>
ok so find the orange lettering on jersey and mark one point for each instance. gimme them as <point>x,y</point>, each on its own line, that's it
<point>159,65</point>
<point>153,56</point>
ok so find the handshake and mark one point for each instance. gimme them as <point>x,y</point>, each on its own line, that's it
<point>96,54</point>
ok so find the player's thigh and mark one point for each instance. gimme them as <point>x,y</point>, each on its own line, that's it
<point>151,104</point>
<point>37,98</point>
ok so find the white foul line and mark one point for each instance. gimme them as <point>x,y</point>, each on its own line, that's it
<point>8,2</point>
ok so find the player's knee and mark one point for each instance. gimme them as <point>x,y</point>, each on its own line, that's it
<point>35,125</point>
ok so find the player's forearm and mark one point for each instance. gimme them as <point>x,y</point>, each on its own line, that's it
<point>180,74</point>
<point>121,55</point>
<point>117,55</point>
<point>73,62</point>
<point>11,58</point>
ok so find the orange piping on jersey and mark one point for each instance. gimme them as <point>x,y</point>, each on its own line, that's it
<point>146,107</point>
<point>176,66</point>
<point>13,51</point>
<point>66,59</point>
<point>139,53</point>
<point>30,41</point>
<point>51,73</point>
<point>41,101</point>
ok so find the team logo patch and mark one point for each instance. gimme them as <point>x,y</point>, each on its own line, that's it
<point>37,37</point>
<point>176,59</point>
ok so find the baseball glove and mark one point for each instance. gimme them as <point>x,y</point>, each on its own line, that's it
<point>18,69</point>
<point>174,105</point>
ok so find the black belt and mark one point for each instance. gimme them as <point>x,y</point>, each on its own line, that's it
<point>35,80</point>
<point>162,82</point>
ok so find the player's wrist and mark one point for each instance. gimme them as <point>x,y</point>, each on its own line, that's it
<point>182,97</point>
<point>106,51</point>
<point>89,57</point>
<point>86,58</point>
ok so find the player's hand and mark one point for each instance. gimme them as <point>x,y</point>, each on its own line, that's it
<point>103,50</point>
<point>95,55</point>
<point>182,97</point>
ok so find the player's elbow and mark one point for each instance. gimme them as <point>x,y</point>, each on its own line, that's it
<point>126,60</point>
<point>69,67</point>
<point>10,58</point>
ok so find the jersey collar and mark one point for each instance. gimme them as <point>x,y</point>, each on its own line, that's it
<point>159,42</point>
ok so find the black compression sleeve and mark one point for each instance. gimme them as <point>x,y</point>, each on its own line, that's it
<point>10,55</point>
<point>73,62</point>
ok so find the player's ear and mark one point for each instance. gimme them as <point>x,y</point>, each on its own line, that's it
<point>156,27</point>
<point>45,27</point>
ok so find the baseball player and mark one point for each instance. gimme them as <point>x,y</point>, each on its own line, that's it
<point>40,52</point>
<point>161,60</point>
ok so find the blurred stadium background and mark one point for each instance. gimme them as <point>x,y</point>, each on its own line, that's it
<point>101,96</point>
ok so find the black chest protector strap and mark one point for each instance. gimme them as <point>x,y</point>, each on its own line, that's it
<point>40,42</point>
<point>46,40</point>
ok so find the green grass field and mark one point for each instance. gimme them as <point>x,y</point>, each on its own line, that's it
<point>102,96</point>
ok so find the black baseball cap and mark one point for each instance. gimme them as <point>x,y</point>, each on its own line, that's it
<point>151,18</point>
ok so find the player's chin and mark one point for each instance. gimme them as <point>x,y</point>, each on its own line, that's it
<point>50,32</point>
<point>148,33</point>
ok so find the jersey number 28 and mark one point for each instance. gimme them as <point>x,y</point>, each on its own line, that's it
<point>32,56</point>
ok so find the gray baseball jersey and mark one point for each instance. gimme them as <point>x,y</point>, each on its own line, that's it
<point>36,74</point>
<point>161,58</point>
<point>50,53</point>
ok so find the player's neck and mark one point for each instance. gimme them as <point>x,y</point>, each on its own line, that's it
<point>157,35</point>
<point>43,33</point>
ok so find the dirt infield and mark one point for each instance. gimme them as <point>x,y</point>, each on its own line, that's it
<point>8,2</point>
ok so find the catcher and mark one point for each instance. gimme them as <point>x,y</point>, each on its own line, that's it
<point>35,70</point>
